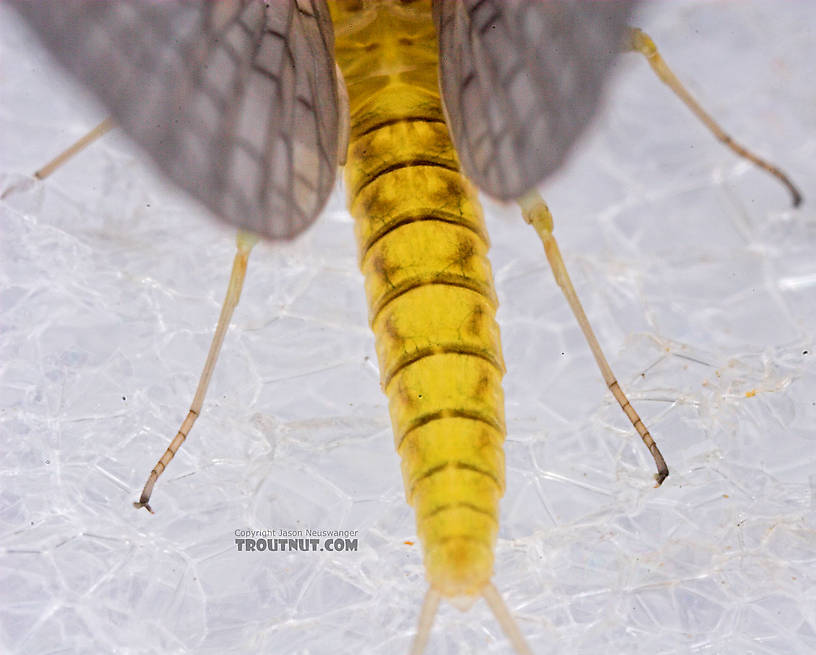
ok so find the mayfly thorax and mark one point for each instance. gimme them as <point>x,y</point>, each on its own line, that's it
<point>251,106</point>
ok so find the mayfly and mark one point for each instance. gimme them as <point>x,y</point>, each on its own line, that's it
<point>251,107</point>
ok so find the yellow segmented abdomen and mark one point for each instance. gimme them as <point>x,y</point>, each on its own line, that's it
<point>432,305</point>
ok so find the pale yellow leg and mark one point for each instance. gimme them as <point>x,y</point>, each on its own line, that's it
<point>245,243</point>
<point>101,129</point>
<point>641,42</point>
<point>537,214</point>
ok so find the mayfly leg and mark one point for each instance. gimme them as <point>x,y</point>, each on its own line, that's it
<point>641,42</point>
<point>537,214</point>
<point>41,173</point>
<point>245,243</point>
<point>100,130</point>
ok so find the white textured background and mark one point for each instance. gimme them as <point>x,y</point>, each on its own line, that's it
<point>698,278</point>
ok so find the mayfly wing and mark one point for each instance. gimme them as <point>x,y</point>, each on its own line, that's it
<point>236,101</point>
<point>520,80</point>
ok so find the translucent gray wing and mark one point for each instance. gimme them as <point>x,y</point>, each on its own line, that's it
<point>520,80</point>
<point>236,100</point>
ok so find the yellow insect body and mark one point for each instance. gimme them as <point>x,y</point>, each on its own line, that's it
<point>423,251</point>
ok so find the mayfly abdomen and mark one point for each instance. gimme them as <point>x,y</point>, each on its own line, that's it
<point>432,306</point>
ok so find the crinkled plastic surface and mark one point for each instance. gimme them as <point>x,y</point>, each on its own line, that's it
<point>697,276</point>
